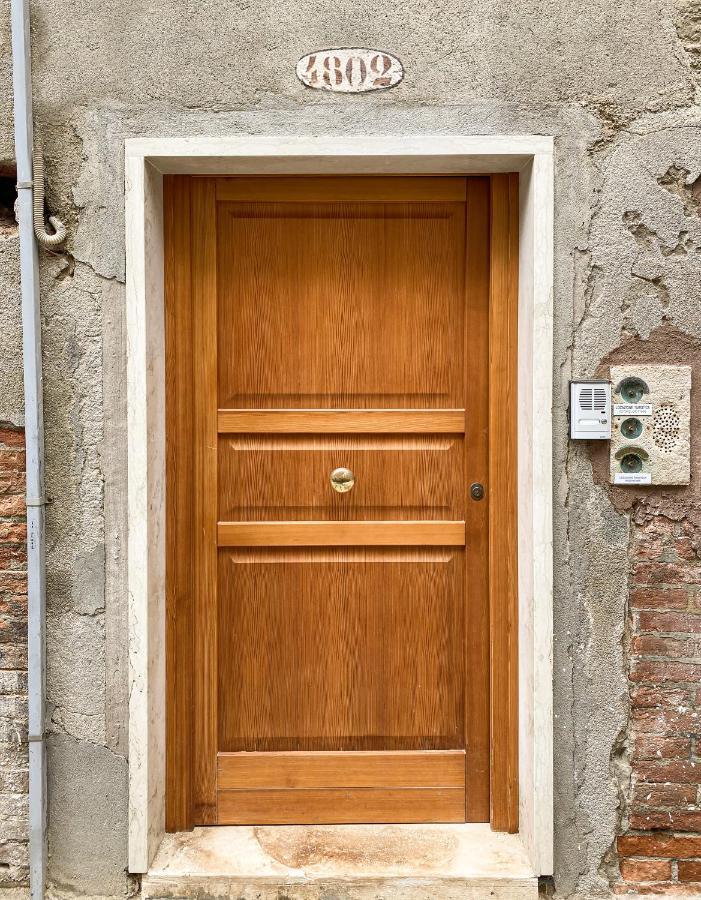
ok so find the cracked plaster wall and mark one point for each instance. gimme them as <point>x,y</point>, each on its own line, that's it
<point>617,84</point>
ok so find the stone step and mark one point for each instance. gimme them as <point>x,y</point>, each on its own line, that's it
<point>342,862</point>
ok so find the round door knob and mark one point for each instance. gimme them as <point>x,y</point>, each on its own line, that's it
<point>342,480</point>
<point>477,491</point>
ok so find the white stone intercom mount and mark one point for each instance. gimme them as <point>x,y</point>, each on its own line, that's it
<point>650,442</point>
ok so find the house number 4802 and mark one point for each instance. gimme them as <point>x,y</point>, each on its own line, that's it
<point>350,70</point>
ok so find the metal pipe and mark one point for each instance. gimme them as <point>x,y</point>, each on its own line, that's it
<point>34,439</point>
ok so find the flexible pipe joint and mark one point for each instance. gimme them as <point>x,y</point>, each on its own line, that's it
<point>42,235</point>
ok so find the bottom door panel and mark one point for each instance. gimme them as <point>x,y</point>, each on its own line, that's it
<point>341,649</point>
<point>344,806</point>
<point>336,788</point>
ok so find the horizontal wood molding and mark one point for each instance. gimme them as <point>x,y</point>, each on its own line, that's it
<point>325,534</point>
<point>341,806</point>
<point>347,769</point>
<point>342,189</point>
<point>343,421</point>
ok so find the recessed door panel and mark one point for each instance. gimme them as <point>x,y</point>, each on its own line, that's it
<point>328,649</point>
<point>341,304</point>
<point>284,477</point>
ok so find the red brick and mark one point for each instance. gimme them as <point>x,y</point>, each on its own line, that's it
<point>666,720</point>
<point>11,480</point>
<point>659,598</point>
<point>13,556</point>
<point>16,582</point>
<point>654,889</point>
<point>646,794</point>
<point>659,671</point>
<point>670,622</point>
<point>13,606</point>
<point>12,505</point>
<point>660,845</point>
<point>654,645</point>
<point>646,869</point>
<point>12,630</point>
<point>690,870</point>
<point>687,548</point>
<point>12,437</point>
<point>670,647</point>
<point>673,820</point>
<point>13,657</point>
<point>651,548</point>
<point>665,573</point>
<point>655,746</point>
<point>657,524</point>
<point>677,772</point>
<point>643,696</point>
<point>13,532</point>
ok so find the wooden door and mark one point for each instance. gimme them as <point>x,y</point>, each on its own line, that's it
<point>329,656</point>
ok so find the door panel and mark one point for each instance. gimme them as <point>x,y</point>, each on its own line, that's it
<point>287,477</point>
<point>340,650</point>
<point>342,806</point>
<point>340,642</point>
<point>341,304</point>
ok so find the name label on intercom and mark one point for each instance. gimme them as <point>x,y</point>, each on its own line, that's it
<point>632,478</point>
<point>632,409</point>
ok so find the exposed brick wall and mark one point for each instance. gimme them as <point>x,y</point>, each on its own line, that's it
<point>660,848</point>
<point>13,661</point>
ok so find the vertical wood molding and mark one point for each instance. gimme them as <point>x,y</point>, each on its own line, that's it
<point>503,533</point>
<point>204,478</point>
<point>477,690</point>
<point>179,497</point>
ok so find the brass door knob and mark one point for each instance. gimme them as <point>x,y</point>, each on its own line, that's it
<point>342,480</point>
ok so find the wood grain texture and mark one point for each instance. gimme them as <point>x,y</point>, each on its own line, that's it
<point>503,535</point>
<point>349,769</point>
<point>204,471</point>
<point>340,650</point>
<point>338,421</point>
<point>180,724</point>
<point>338,189</point>
<point>477,442</point>
<point>341,305</point>
<point>361,322</point>
<point>341,534</point>
<point>288,477</point>
<point>344,806</point>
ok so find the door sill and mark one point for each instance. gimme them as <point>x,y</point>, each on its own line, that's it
<point>351,861</point>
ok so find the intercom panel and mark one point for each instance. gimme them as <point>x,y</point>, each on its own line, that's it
<point>650,440</point>
<point>590,410</point>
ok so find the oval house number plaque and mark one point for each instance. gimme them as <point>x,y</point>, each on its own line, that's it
<point>350,70</point>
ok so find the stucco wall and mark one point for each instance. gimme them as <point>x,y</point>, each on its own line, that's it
<point>617,84</point>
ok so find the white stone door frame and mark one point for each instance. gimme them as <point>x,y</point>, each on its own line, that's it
<point>147,160</point>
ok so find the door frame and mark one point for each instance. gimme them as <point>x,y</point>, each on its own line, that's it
<point>529,403</point>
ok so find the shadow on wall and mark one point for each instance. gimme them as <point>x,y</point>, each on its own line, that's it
<point>8,195</point>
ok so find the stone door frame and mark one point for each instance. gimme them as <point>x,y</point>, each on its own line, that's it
<point>146,161</point>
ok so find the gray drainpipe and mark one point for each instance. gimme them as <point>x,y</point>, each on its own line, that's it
<point>34,437</point>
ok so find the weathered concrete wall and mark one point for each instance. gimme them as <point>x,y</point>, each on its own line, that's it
<point>617,84</point>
